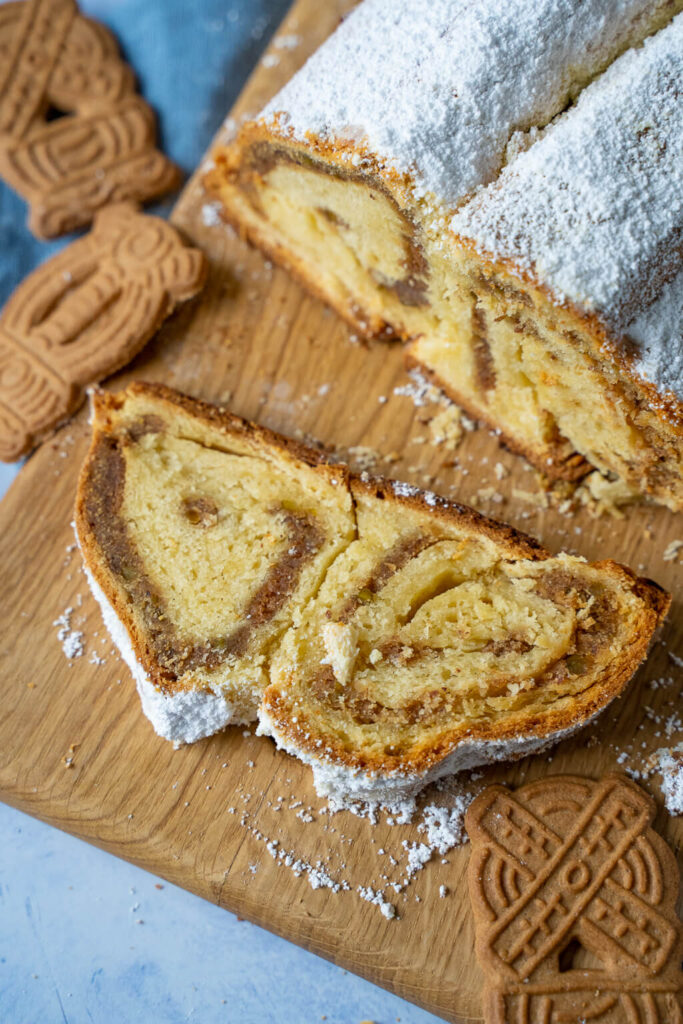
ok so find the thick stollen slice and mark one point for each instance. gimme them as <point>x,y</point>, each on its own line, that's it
<point>382,634</point>
<point>203,538</point>
<point>441,640</point>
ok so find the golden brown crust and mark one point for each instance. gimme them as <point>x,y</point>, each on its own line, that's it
<point>217,418</point>
<point>584,707</point>
<point>513,542</point>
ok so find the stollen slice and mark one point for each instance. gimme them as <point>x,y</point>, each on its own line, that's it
<point>382,634</point>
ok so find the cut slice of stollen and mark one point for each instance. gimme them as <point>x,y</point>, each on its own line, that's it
<point>382,634</point>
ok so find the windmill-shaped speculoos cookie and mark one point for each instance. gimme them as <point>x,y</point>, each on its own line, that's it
<point>85,313</point>
<point>55,61</point>
<point>574,902</point>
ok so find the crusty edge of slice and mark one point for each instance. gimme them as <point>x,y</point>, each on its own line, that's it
<point>182,717</point>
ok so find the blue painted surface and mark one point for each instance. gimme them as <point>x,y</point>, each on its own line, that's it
<point>191,58</point>
<point>71,947</point>
<point>85,937</point>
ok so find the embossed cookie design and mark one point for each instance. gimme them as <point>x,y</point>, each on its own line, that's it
<point>54,61</point>
<point>85,313</point>
<point>574,903</point>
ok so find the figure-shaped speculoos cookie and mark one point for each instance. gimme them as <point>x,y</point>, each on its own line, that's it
<point>574,902</point>
<point>55,61</point>
<point>85,313</point>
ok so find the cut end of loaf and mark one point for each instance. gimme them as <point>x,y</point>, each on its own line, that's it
<point>523,333</point>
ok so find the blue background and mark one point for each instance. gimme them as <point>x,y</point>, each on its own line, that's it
<point>71,947</point>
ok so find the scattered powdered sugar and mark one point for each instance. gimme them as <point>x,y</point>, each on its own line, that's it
<point>317,874</point>
<point>286,42</point>
<point>404,490</point>
<point>418,855</point>
<point>383,881</point>
<point>421,390</point>
<point>211,217</point>
<point>372,896</point>
<point>446,84</point>
<point>70,639</point>
<point>670,764</point>
<point>445,825</point>
<point>594,208</point>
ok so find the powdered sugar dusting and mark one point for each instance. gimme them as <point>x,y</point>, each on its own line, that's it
<point>670,764</point>
<point>371,895</point>
<point>395,862</point>
<point>182,717</point>
<point>211,216</point>
<point>70,639</point>
<point>593,210</point>
<point>658,332</point>
<point>445,84</point>
<point>445,825</point>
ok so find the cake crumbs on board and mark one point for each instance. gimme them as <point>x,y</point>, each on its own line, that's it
<point>672,551</point>
<point>68,759</point>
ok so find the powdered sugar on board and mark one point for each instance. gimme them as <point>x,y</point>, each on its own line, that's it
<point>670,764</point>
<point>593,209</point>
<point>445,84</point>
<point>71,639</point>
<point>382,880</point>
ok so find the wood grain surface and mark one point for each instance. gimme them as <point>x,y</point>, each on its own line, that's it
<point>201,816</point>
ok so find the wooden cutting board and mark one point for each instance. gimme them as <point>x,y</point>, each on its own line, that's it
<point>203,816</point>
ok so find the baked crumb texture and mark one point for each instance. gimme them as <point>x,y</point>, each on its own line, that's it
<point>499,186</point>
<point>382,634</point>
